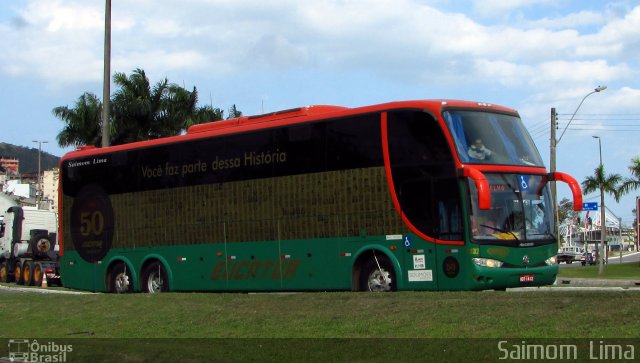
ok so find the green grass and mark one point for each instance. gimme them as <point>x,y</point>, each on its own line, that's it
<point>321,315</point>
<point>625,271</point>
<point>384,324</point>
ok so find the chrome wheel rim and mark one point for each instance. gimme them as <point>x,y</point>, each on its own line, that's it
<point>379,280</point>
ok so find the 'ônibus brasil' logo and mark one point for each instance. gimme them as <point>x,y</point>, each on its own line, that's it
<point>92,223</point>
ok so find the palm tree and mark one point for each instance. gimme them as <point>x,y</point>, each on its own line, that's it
<point>83,122</point>
<point>204,114</point>
<point>138,112</point>
<point>603,183</point>
<point>141,112</point>
<point>632,183</point>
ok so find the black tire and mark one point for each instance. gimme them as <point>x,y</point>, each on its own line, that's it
<point>378,279</point>
<point>4,272</point>
<point>38,271</point>
<point>120,280</point>
<point>154,278</point>
<point>27,273</point>
<point>17,273</point>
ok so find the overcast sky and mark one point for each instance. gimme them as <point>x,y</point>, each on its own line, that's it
<point>268,55</point>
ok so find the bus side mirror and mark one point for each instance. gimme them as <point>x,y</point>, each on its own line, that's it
<point>484,194</point>
<point>573,185</point>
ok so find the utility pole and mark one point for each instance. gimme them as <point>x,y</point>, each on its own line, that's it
<point>601,254</point>
<point>39,185</point>
<point>552,165</point>
<point>106,87</point>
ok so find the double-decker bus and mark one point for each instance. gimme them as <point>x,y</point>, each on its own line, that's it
<point>411,195</point>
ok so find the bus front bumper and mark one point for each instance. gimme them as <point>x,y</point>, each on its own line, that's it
<point>501,278</point>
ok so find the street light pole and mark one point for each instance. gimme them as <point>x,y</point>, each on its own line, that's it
<point>620,235</point>
<point>39,190</point>
<point>597,89</point>
<point>553,144</point>
<point>552,164</point>
<point>600,253</point>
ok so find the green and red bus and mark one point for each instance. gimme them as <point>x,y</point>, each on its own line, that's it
<point>378,198</point>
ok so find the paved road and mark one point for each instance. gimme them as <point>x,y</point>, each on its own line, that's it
<point>633,257</point>
<point>613,259</point>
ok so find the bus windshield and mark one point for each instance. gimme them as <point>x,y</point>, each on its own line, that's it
<point>491,138</point>
<point>520,213</point>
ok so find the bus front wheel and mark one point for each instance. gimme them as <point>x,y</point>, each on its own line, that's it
<point>377,275</point>
<point>120,279</point>
<point>154,278</point>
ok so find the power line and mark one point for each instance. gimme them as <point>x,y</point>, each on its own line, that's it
<point>603,130</point>
<point>538,128</point>
<point>589,124</point>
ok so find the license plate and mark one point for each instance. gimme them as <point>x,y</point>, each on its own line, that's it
<point>526,278</point>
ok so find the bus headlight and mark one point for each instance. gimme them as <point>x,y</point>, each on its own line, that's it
<point>551,260</point>
<point>487,262</point>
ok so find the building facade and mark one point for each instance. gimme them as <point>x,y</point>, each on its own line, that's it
<point>50,179</point>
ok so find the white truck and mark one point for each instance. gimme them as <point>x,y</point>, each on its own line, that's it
<point>28,249</point>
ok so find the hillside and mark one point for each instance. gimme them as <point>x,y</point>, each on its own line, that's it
<point>29,158</point>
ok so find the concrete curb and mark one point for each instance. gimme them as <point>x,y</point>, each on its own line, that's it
<point>574,289</point>
<point>596,282</point>
<point>44,291</point>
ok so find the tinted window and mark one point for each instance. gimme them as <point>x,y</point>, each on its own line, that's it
<point>346,143</point>
<point>354,143</point>
<point>424,174</point>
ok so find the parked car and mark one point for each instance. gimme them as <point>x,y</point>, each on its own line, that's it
<point>587,258</point>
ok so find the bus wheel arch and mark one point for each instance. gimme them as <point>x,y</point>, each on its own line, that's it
<point>120,277</point>
<point>374,270</point>
<point>155,276</point>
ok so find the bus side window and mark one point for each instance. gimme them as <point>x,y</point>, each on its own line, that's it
<point>354,142</point>
<point>424,175</point>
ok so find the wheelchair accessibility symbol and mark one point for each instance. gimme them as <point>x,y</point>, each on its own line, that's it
<point>524,182</point>
<point>407,241</point>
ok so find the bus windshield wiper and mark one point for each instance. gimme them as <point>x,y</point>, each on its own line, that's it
<point>501,231</point>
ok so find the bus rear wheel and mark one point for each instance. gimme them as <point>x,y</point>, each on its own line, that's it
<point>120,280</point>
<point>154,278</point>
<point>377,275</point>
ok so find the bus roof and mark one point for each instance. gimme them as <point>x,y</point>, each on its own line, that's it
<point>282,118</point>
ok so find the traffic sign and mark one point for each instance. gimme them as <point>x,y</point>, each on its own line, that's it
<point>590,206</point>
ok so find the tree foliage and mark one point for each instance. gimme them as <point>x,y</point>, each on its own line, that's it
<point>633,182</point>
<point>234,112</point>
<point>138,111</point>
<point>83,122</point>
<point>609,184</point>
<point>565,210</point>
